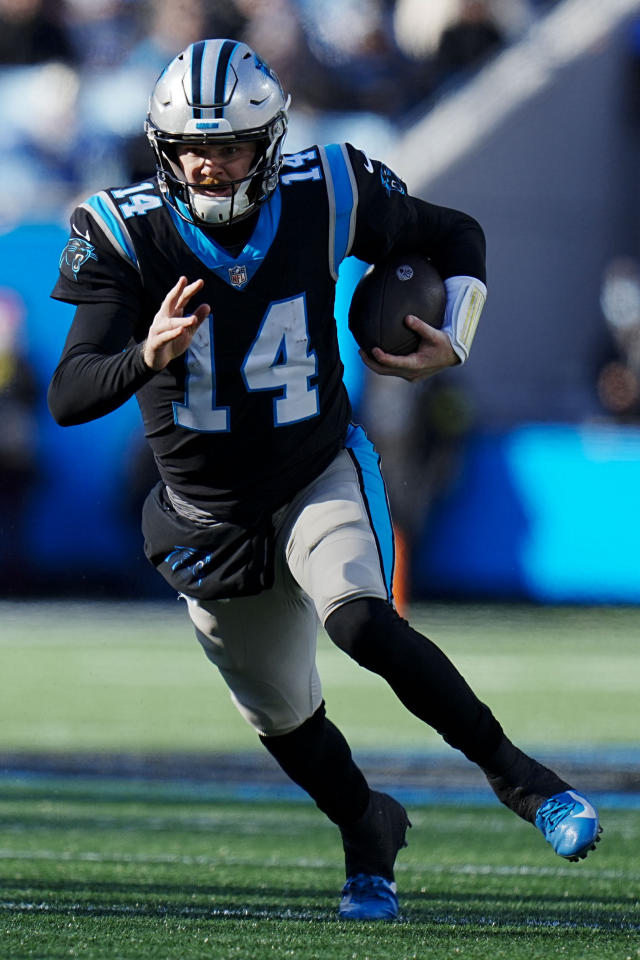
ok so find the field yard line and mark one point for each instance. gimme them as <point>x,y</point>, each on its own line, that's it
<point>489,921</point>
<point>124,909</point>
<point>212,913</point>
<point>453,869</point>
<point>183,860</point>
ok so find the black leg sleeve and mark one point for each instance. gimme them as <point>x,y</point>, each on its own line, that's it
<point>317,757</point>
<point>420,674</point>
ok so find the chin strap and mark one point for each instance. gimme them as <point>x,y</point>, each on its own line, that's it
<point>465,300</point>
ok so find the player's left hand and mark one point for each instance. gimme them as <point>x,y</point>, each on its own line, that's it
<point>434,354</point>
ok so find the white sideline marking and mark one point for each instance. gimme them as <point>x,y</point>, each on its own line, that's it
<point>210,913</point>
<point>484,870</point>
<point>166,858</point>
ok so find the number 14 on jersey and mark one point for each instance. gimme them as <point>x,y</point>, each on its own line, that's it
<point>279,360</point>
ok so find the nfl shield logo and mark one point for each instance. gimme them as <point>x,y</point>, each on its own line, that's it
<point>237,275</point>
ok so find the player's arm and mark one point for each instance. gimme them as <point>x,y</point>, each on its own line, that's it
<point>389,218</point>
<point>455,244</point>
<point>454,241</point>
<point>100,368</point>
<point>457,248</point>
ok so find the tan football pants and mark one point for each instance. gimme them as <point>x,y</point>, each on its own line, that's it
<point>334,543</point>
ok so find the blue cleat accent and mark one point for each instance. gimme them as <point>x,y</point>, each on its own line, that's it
<point>569,822</point>
<point>368,897</point>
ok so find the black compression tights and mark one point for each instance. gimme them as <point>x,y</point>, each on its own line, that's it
<point>317,757</point>
<point>420,674</point>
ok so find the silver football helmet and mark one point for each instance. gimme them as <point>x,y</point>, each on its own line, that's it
<point>217,92</point>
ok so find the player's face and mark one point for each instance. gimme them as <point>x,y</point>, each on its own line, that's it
<point>213,168</point>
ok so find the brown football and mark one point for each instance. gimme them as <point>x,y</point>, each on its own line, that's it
<point>403,283</point>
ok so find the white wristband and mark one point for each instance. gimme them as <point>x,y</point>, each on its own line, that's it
<point>465,300</point>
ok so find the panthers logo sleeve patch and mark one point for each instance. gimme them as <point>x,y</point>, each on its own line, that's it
<point>76,253</point>
<point>94,266</point>
<point>390,180</point>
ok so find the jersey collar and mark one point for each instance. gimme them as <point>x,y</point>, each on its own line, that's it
<point>236,271</point>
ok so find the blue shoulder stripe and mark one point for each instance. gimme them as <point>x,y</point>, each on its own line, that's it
<point>105,211</point>
<point>343,202</point>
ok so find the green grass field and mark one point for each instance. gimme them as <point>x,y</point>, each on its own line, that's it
<point>134,870</point>
<point>106,871</point>
<point>132,677</point>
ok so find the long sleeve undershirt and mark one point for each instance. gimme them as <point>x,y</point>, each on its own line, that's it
<point>100,368</point>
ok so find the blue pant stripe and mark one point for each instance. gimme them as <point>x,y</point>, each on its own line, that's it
<point>367,463</point>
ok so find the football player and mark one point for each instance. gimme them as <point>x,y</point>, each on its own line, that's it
<point>208,293</point>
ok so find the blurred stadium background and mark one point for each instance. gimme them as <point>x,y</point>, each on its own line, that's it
<point>514,478</point>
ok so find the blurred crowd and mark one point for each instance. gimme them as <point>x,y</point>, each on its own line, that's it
<point>75,75</point>
<point>618,373</point>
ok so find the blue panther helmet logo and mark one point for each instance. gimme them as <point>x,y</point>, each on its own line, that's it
<point>265,68</point>
<point>77,252</point>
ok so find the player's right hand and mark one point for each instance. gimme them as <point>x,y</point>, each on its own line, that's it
<point>171,332</point>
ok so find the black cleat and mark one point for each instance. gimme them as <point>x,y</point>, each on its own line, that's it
<point>371,845</point>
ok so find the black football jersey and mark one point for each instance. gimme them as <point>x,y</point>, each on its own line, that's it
<point>256,407</point>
